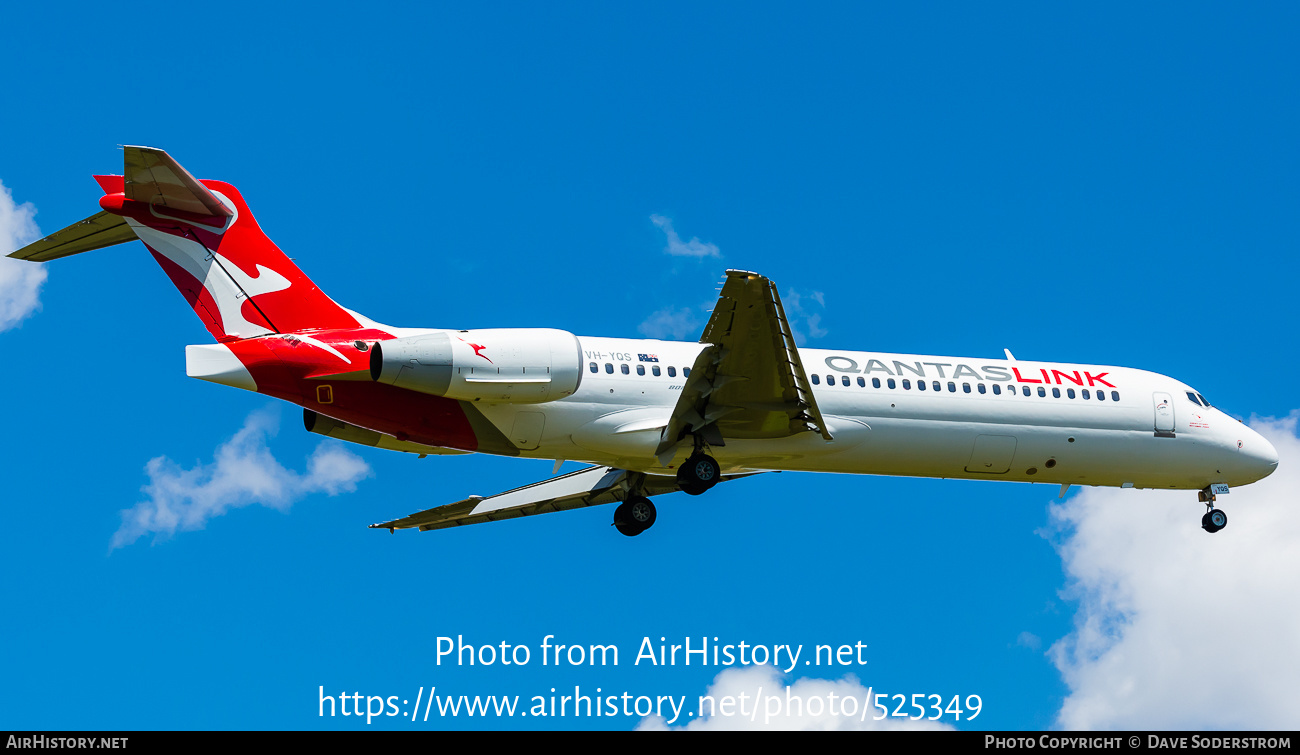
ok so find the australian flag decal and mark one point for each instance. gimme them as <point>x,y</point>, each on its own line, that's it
<point>649,357</point>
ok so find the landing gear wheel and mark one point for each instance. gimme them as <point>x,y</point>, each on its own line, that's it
<point>634,516</point>
<point>698,474</point>
<point>1214,520</point>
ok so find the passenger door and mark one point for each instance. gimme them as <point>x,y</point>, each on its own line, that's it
<point>1164,408</point>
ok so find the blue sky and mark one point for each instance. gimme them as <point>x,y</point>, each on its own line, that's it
<point>1112,186</point>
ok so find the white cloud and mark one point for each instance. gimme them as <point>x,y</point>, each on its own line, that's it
<point>1178,628</point>
<point>678,248</point>
<point>243,472</point>
<point>805,321</point>
<point>20,282</point>
<point>769,704</point>
<point>673,323</point>
<point>1029,640</point>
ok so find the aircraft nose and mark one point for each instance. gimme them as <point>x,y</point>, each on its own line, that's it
<point>1259,454</point>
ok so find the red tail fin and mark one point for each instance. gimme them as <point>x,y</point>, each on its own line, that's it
<point>204,236</point>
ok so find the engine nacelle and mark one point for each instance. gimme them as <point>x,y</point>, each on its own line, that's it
<point>333,428</point>
<point>505,365</point>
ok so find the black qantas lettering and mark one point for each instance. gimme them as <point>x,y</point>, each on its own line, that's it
<point>995,373</point>
<point>918,370</point>
<point>876,365</point>
<point>991,372</point>
<point>963,370</point>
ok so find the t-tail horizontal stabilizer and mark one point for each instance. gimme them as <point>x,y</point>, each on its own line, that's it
<point>151,180</point>
<point>100,230</point>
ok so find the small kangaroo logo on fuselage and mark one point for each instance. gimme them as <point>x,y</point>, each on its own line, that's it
<point>478,350</point>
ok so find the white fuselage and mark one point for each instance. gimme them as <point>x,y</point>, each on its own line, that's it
<point>973,420</point>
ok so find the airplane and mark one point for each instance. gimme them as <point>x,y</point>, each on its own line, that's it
<point>651,417</point>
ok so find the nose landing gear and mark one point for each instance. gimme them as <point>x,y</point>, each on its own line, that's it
<point>1214,519</point>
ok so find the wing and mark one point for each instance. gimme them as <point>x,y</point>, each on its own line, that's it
<point>586,487</point>
<point>750,382</point>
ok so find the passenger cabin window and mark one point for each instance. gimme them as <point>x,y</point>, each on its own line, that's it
<point>609,368</point>
<point>1042,392</point>
<point>817,379</point>
<point>920,384</point>
<point>655,370</point>
<point>907,384</point>
<point>672,372</point>
<point>982,388</point>
<point>844,380</point>
<point>997,390</point>
<point>640,369</point>
<point>1056,393</point>
<point>965,387</point>
<point>936,386</point>
<point>890,383</point>
<point>862,383</point>
<point>1101,395</point>
<point>1069,392</point>
<point>875,383</point>
<point>686,372</point>
<point>594,368</point>
<point>1114,395</point>
<point>1086,394</point>
<point>1025,389</point>
<point>830,380</point>
<point>952,387</point>
<point>623,368</point>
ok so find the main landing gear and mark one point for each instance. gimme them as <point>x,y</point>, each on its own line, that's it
<point>634,516</point>
<point>699,473</point>
<point>1214,519</point>
<point>637,514</point>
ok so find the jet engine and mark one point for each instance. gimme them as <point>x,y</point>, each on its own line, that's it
<point>504,365</point>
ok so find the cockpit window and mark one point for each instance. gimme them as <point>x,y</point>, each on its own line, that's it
<point>1195,400</point>
<point>1203,401</point>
